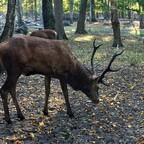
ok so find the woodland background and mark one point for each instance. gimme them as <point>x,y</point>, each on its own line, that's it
<point>118,118</point>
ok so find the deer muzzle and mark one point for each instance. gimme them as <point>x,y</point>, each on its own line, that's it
<point>95,101</point>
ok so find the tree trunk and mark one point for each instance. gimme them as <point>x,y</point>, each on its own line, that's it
<point>35,10</point>
<point>47,12</point>
<point>82,15</point>
<point>92,11</point>
<point>141,14</point>
<point>19,13</point>
<point>141,21</point>
<point>106,13</point>
<point>58,9</point>
<point>9,25</point>
<point>115,25</point>
<point>123,9</point>
<point>71,3</point>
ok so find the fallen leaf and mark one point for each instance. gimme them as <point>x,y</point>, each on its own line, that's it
<point>131,87</point>
<point>31,135</point>
<point>140,140</point>
<point>95,122</point>
<point>56,99</point>
<point>110,100</point>
<point>130,118</point>
<point>41,124</point>
<point>18,142</point>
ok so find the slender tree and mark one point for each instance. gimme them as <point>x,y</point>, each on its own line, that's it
<point>115,25</point>
<point>47,12</point>
<point>21,26</point>
<point>141,13</point>
<point>10,18</point>
<point>82,15</point>
<point>71,3</point>
<point>19,13</point>
<point>35,10</point>
<point>92,11</point>
<point>58,9</point>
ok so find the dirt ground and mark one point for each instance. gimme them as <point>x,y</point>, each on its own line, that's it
<point>117,119</point>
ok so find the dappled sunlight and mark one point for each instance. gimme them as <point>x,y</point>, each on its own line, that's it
<point>70,30</point>
<point>84,38</point>
<point>106,38</point>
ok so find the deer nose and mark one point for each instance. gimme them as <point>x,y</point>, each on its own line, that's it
<point>96,101</point>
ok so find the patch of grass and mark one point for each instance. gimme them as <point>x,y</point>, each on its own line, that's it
<point>82,46</point>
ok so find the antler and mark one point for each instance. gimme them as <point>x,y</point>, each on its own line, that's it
<point>94,51</point>
<point>108,69</point>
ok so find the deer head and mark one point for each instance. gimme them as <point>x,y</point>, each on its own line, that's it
<point>92,90</point>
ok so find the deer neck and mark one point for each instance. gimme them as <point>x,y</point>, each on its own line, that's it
<point>80,78</point>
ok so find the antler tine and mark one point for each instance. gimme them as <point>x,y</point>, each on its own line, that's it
<point>108,69</point>
<point>94,51</point>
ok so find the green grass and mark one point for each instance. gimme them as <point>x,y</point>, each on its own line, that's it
<point>82,45</point>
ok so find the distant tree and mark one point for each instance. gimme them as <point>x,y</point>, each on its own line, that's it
<point>35,10</point>
<point>47,12</point>
<point>82,15</point>
<point>19,13</point>
<point>21,26</point>
<point>141,13</point>
<point>71,4</point>
<point>10,18</point>
<point>58,9</point>
<point>115,25</point>
<point>92,11</point>
<point>106,10</point>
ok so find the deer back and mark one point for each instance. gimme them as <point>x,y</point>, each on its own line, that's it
<point>46,33</point>
<point>38,55</point>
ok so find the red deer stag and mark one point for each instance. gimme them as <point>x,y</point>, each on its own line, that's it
<point>32,55</point>
<point>46,33</point>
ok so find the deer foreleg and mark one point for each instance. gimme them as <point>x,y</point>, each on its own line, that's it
<point>65,92</point>
<point>12,83</point>
<point>4,95</point>
<point>47,92</point>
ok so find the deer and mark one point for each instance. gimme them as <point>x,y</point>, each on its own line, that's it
<point>45,33</point>
<point>27,55</point>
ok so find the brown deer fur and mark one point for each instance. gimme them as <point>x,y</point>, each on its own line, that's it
<point>46,33</point>
<point>32,55</point>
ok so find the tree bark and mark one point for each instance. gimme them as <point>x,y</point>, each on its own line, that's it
<point>115,25</point>
<point>10,18</point>
<point>92,11</point>
<point>58,9</point>
<point>47,12</point>
<point>141,14</point>
<point>71,2</point>
<point>19,13</point>
<point>141,21</point>
<point>82,15</point>
<point>35,10</point>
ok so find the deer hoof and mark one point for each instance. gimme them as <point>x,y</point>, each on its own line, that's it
<point>71,115</point>
<point>21,117</point>
<point>45,113</point>
<point>8,121</point>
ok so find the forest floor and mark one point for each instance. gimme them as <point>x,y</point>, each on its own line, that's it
<point>117,119</point>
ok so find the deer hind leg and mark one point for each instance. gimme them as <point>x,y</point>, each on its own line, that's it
<point>10,87</point>
<point>65,92</point>
<point>47,92</point>
<point>13,94</point>
<point>4,94</point>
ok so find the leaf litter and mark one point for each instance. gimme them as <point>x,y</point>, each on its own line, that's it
<point>117,119</point>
